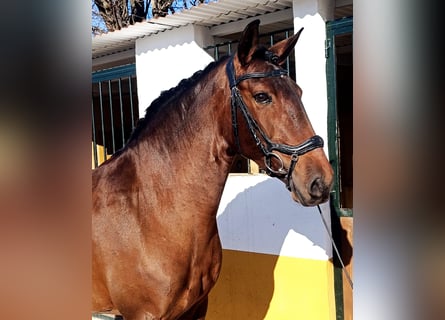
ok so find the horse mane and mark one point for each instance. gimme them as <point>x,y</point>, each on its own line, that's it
<point>163,100</point>
<point>170,95</point>
<point>174,93</point>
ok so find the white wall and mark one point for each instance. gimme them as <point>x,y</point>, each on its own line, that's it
<point>164,59</point>
<point>257,214</point>
<point>310,61</point>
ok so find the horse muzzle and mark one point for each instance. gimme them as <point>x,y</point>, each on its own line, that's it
<point>313,192</point>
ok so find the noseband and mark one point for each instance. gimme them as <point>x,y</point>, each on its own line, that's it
<point>267,147</point>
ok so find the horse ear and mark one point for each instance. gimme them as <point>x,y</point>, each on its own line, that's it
<point>248,42</point>
<point>283,48</point>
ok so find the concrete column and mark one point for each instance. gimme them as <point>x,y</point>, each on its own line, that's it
<point>164,59</point>
<point>310,61</point>
<point>310,66</point>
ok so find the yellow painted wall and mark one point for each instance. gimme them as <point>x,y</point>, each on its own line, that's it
<point>262,286</point>
<point>100,152</point>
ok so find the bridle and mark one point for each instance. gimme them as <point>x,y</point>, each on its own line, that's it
<point>267,147</point>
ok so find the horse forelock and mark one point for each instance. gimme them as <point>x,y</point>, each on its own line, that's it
<point>263,54</point>
<point>260,53</point>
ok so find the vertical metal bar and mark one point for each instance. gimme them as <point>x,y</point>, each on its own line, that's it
<point>287,59</point>
<point>131,103</point>
<point>229,48</point>
<point>94,135</point>
<point>111,115</point>
<point>216,53</point>
<point>271,40</point>
<point>102,117</point>
<point>122,111</point>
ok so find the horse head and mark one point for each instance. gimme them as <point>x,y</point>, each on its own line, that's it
<point>270,123</point>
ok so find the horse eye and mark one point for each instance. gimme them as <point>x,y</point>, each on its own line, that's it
<point>262,98</point>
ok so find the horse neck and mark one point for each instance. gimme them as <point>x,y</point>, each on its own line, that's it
<point>189,142</point>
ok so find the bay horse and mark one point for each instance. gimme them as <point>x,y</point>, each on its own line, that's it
<point>156,249</point>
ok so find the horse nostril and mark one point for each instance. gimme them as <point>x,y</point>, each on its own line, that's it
<point>317,188</point>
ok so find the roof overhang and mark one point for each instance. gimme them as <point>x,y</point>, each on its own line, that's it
<point>213,15</point>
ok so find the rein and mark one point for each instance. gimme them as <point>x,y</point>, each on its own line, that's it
<point>345,271</point>
<point>267,147</point>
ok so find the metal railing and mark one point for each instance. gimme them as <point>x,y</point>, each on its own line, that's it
<point>114,110</point>
<point>268,39</point>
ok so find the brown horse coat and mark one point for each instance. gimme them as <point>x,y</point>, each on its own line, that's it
<point>156,249</point>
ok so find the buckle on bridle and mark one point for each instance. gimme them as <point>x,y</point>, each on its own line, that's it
<point>281,171</point>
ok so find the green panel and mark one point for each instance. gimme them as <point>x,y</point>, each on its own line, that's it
<point>340,26</point>
<point>114,73</point>
<point>334,28</point>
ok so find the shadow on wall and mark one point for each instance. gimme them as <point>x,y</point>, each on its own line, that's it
<point>257,222</point>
